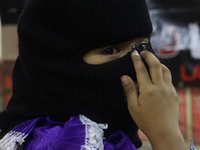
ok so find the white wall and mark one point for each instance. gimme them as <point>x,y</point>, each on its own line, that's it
<point>9,43</point>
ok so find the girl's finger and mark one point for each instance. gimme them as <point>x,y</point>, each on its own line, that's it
<point>142,74</point>
<point>154,67</point>
<point>166,74</point>
<point>130,91</point>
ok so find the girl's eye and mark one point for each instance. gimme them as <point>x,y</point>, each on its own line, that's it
<point>110,51</point>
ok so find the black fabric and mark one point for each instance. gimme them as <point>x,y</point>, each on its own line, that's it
<point>50,77</point>
<point>10,10</point>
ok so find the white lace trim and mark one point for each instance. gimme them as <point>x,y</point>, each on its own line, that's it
<point>10,140</point>
<point>94,134</point>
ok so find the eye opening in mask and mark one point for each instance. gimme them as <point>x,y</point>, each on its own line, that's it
<point>111,51</point>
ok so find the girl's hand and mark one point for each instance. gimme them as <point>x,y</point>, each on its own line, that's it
<point>155,107</point>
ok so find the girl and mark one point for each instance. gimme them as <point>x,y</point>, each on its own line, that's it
<point>66,80</point>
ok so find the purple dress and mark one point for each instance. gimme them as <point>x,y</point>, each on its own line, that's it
<point>79,133</point>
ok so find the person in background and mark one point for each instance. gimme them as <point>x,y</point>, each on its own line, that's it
<point>86,78</point>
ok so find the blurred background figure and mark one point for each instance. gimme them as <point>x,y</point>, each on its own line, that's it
<point>175,40</point>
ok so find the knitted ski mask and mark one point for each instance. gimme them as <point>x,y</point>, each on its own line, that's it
<point>50,77</point>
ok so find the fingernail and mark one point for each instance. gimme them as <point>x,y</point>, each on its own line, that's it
<point>144,51</point>
<point>124,80</point>
<point>135,53</point>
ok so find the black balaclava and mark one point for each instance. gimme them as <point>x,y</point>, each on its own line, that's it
<point>50,77</point>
